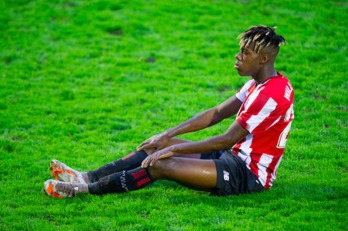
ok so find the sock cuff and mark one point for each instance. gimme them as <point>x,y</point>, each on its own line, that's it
<point>149,174</point>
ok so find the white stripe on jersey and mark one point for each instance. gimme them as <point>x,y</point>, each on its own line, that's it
<point>242,93</point>
<point>255,120</point>
<point>265,161</point>
<point>274,174</point>
<point>252,98</point>
<point>245,151</point>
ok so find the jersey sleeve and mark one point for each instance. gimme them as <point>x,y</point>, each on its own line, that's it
<point>242,93</point>
<point>259,113</point>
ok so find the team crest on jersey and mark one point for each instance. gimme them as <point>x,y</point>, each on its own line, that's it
<point>226,176</point>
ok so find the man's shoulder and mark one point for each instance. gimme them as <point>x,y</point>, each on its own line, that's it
<point>279,88</point>
<point>280,80</point>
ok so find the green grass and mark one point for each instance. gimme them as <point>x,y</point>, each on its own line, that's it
<point>87,81</point>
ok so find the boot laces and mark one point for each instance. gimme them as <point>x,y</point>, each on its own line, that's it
<point>67,189</point>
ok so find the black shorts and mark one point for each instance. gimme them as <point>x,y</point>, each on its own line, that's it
<point>233,177</point>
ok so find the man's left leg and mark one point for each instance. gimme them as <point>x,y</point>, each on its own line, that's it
<point>193,173</point>
<point>64,173</point>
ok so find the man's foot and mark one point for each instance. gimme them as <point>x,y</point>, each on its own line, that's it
<point>60,189</point>
<point>64,173</point>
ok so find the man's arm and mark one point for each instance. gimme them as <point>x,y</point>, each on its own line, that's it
<point>203,120</point>
<point>207,118</point>
<point>222,142</point>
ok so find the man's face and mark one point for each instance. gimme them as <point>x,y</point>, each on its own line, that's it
<point>248,61</point>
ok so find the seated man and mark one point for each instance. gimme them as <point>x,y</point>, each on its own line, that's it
<point>244,159</point>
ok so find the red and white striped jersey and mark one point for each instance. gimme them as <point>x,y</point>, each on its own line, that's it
<point>267,113</point>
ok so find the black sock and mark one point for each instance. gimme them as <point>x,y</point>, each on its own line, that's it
<point>122,182</point>
<point>130,161</point>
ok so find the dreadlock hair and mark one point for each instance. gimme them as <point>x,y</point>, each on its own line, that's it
<point>262,36</point>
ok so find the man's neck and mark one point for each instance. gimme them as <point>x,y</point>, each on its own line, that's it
<point>262,77</point>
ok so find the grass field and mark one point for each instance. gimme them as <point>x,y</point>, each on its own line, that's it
<point>85,82</point>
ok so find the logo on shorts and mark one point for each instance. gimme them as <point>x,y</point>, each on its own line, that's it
<point>226,176</point>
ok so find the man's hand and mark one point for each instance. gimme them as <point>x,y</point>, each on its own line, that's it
<point>151,159</point>
<point>156,142</point>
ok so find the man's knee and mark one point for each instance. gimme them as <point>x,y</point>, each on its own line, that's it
<point>161,169</point>
<point>149,151</point>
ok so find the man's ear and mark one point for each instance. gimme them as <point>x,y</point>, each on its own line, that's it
<point>264,58</point>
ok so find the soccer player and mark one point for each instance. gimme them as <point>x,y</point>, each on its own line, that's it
<point>244,159</point>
